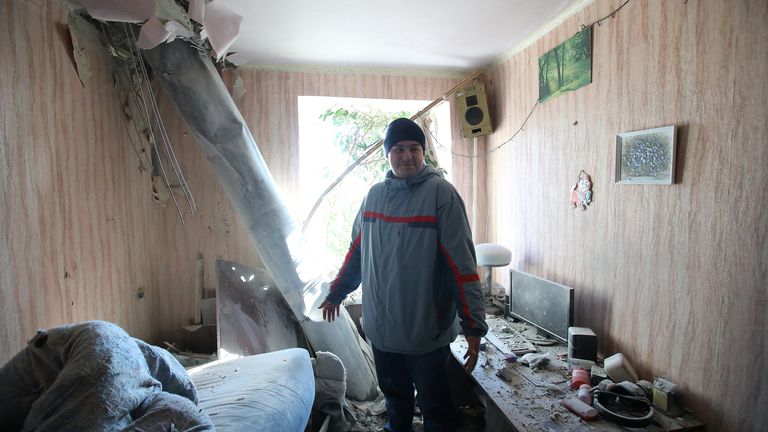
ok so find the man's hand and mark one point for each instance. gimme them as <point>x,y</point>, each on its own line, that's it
<point>331,311</point>
<point>472,353</point>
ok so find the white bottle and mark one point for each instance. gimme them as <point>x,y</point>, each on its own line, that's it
<point>584,394</point>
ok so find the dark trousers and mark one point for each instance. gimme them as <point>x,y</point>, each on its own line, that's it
<point>399,373</point>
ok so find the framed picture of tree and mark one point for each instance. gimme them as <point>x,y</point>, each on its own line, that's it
<point>567,66</point>
<point>646,156</point>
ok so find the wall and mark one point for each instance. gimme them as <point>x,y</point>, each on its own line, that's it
<point>674,277</point>
<point>77,224</point>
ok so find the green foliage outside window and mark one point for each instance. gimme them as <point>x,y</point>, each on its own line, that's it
<point>357,130</point>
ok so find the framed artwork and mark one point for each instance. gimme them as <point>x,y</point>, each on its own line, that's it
<point>567,66</point>
<point>646,156</point>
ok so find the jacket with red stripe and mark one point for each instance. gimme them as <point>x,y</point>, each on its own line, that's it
<point>412,250</point>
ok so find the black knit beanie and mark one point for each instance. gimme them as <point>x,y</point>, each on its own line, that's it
<point>403,129</point>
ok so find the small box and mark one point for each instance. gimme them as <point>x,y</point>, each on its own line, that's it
<point>618,369</point>
<point>666,397</point>
<point>200,338</point>
<point>582,344</point>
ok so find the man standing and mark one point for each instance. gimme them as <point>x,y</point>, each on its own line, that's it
<point>412,249</point>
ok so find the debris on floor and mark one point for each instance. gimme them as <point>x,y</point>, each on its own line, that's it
<point>471,419</point>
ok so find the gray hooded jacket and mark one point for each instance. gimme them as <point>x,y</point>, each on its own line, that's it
<point>412,250</point>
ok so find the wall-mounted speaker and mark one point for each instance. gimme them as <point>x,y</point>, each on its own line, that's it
<point>472,105</point>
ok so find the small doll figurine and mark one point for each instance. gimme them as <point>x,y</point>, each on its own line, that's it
<point>581,193</point>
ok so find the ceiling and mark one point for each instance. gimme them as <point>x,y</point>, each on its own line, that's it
<point>448,35</point>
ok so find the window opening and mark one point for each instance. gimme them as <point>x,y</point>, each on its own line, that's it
<point>333,133</point>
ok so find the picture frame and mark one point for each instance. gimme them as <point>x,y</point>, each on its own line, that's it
<point>646,156</point>
<point>566,67</point>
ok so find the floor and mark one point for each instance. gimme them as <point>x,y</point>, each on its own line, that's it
<point>472,413</point>
<point>471,419</point>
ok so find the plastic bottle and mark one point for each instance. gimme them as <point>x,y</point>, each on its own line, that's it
<point>580,408</point>
<point>578,377</point>
<point>584,394</point>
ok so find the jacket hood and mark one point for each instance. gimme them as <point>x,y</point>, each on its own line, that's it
<point>395,183</point>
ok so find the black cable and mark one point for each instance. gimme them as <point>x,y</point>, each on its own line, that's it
<point>518,131</point>
<point>610,15</point>
<point>616,407</point>
<point>583,27</point>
